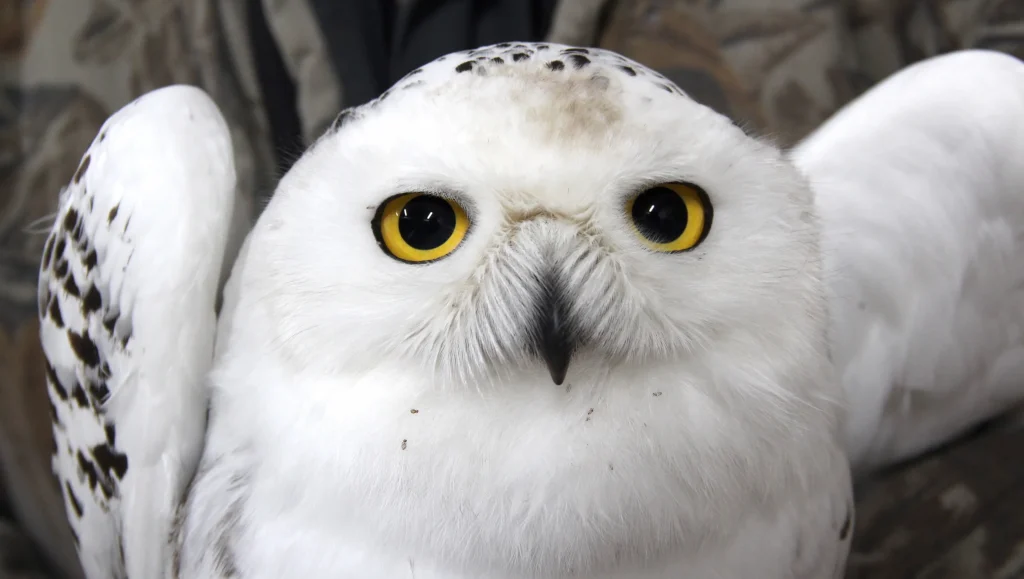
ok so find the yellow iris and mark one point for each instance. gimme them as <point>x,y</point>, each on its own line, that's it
<point>671,217</point>
<point>418,227</point>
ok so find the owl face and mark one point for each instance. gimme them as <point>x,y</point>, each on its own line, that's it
<point>496,216</point>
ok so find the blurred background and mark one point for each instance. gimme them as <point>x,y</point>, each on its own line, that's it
<point>281,70</point>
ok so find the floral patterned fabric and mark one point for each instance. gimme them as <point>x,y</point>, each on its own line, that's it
<point>779,68</point>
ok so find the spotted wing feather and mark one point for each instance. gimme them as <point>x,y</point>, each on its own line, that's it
<point>127,290</point>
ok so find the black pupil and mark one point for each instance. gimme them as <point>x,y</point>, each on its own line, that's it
<point>660,214</point>
<point>426,222</point>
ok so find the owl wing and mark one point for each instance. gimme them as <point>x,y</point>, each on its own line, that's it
<point>919,188</point>
<point>127,289</point>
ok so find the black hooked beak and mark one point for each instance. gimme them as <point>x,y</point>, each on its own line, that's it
<point>555,338</point>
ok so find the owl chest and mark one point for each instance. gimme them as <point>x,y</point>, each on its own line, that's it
<point>518,484</point>
<point>387,477</point>
<point>541,542</point>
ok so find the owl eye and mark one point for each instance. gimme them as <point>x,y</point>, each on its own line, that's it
<point>418,227</point>
<point>671,217</point>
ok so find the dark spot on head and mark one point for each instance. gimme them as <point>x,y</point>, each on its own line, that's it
<point>542,47</point>
<point>627,69</point>
<point>73,500</point>
<point>82,169</point>
<point>414,84</point>
<point>111,433</point>
<point>58,251</point>
<point>92,300</point>
<point>503,45</point>
<point>90,260</point>
<point>575,50</point>
<point>384,95</point>
<point>404,443</point>
<point>465,66</point>
<point>55,313</point>
<point>610,467</point>
<point>339,121</point>
<point>414,411</point>
<point>60,269</point>
<point>414,71</point>
<point>656,394</point>
<point>556,65</point>
<point>105,371</point>
<point>84,348</point>
<point>518,56</point>
<point>578,60</point>
<point>844,531</point>
<point>113,210</point>
<point>498,60</point>
<point>125,338</point>
<point>53,418</point>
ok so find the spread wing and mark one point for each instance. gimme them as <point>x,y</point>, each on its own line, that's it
<point>127,289</point>
<point>919,184</point>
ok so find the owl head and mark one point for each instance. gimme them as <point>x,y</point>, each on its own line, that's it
<point>536,213</point>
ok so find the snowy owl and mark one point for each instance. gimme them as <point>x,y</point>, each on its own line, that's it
<point>532,313</point>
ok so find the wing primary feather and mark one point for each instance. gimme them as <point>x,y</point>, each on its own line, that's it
<point>918,186</point>
<point>128,281</point>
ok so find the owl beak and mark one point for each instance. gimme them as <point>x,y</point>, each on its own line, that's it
<point>554,336</point>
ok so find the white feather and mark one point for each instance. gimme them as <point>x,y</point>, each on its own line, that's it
<point>144,224</point>
<point>918,184</point>
<point>376,419</point>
